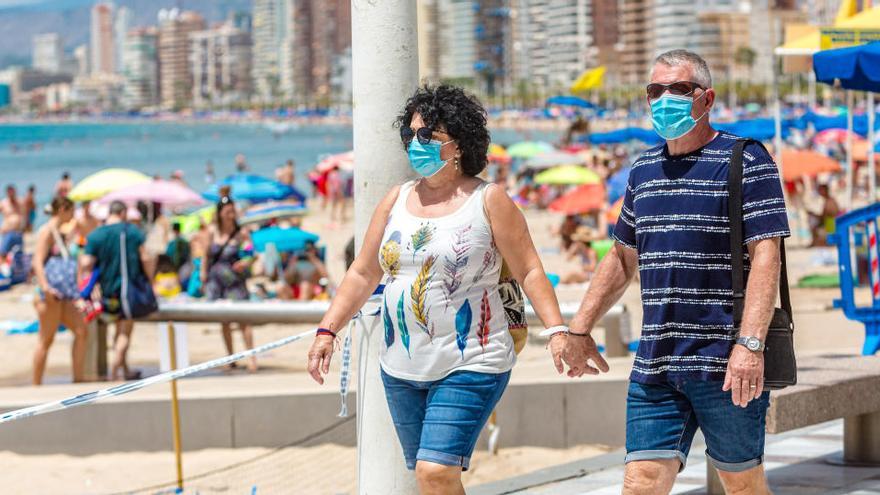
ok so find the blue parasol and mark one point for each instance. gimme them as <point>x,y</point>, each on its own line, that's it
<point>254,188</point>
<point>285,240</point>
<point>856,67</point>
<point>571,101</point>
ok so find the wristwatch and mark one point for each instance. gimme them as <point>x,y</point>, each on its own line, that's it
<point>753,344</point>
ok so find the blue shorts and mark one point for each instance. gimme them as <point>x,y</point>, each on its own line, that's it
<point>10,241</point>
<point>661,420</point>
<point>440,421</point>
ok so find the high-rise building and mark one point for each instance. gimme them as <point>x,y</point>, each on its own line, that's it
<point>636,40</point>
<point>530,47</point>
<point>429,41</point>
<point>101,39</point>
<point>570,42</point>
<point>140,68</point>
<point>121,24</point>
<point>492,34</point>
<point>221,65</point>
<point>606,37</point>
<point>457,40</point>
<point>271,34</point>
<point>48,53</point>
<point>82,60</point>
<point>321,37</point>
<point>175,78</point>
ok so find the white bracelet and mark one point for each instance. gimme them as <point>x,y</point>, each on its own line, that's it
<point>554,330</point>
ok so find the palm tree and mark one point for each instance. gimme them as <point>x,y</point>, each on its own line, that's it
<point>745,56</point>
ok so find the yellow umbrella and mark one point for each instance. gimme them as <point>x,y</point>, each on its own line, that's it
<point>106,181</point>
<point>568,175</point>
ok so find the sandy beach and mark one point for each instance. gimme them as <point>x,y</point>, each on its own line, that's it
<point>295,470</point>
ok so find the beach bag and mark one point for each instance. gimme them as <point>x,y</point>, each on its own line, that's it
<point>780,364</point>
<point>137,298</point>
<point>61,270</point>
<point>514,308</point>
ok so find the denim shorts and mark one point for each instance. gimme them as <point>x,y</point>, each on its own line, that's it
<point>440,421</point>
<point>661,420</point>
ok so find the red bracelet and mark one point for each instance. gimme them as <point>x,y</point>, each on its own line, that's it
<point>325,331</point>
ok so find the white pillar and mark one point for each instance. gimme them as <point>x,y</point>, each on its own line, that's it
<point>850,172</point>
<point>811,89</point>
<point>872,160</point>
<point>385,71</point>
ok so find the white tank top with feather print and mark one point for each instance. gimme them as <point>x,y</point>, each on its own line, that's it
<point>442,311</point>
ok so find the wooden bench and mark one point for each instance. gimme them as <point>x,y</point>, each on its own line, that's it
<point>829,387</point>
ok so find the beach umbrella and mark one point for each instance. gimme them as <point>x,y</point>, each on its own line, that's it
<point>555,158</point>
<point>285,240</point>
<point>613,213</point>
<point>106,181</point>
<point>570,101</point>
<point>586,198</point>
<point>802,163</point>
<point>497,154</point>
<point>191,222</point>
<point>254,188</point>
<point>342,161</point>
<point>528,149</point>
<point>171,194</point>
<point>616,185</point>
<point>568,175</point>
<point>829,136</point>
<point>272,210</point>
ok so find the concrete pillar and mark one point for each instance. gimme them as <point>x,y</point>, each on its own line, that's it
<point>385,72</point>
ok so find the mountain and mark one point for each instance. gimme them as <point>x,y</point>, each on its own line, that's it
<point>20,20</point>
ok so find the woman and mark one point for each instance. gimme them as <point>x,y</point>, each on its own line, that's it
<point>225,268</point>
<point>55,302</point>
<point>439,242</point>
<point>581,249</point>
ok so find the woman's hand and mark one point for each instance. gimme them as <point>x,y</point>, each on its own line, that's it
<point>319,357</point>
<point>241,266</point>
<point>556,346</point>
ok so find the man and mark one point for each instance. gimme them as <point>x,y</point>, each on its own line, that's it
<point>13,222</point>
<point>822,223</point>
<point>241,164</point>
<point>103,252</point>
<point>692,369</point>
<point>285,174</point>
<point>29,205</point>
<point>63,186</point>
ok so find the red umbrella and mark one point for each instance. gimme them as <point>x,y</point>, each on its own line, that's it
<point>588,197</point>
<point>342,161</point>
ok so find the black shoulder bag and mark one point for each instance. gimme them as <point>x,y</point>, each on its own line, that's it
<point>780,366</point>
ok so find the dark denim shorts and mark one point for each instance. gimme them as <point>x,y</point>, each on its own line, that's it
<point>661,421</point>
<point>440,421</point>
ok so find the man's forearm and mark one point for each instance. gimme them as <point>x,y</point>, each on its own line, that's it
<point>609,283</point>
<point>761,291</point>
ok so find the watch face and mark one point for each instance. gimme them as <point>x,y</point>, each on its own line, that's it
<point>753,344</point>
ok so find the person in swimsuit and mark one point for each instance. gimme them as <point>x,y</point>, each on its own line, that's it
<point>224,270</point>
<point>438,242</point>
<point>53,308</point>
<point>13,222</point>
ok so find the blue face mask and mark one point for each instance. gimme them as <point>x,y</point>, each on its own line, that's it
<point>425,158</point>
<point>671,115</point>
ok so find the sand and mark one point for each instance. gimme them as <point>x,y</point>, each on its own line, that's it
<point>818,329</point>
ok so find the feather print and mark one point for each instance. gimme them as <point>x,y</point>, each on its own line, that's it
<point>422,237</point>
<point>401,322</point>
<point>389,326</point>
<point>453,269</point>
<point>389,256</point>
<point>418,292</point>
<point>485,317</point>
<point>489,259</point>
<point>463,325</point>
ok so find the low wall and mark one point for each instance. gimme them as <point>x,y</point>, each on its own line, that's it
<point>545,414</point>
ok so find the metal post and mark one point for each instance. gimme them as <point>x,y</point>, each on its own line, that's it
<point>384,73</point>
<point>175,406</point>
<point>850,172</point>
<point>861,439</point>
<point>777,116</point>
<point>811,89</point>
<point>872,160</point>
<point>102,349</point>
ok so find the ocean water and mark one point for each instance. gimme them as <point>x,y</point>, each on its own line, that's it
<point>39,153</point>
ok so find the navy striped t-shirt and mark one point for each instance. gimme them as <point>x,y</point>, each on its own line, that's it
<point>675,215</point>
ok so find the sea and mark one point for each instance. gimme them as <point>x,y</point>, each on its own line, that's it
<point>38,153</point>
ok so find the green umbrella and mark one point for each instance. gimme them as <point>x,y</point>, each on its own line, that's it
<point>190,223</point>
<point>528,149</point>
<point>568,175</point>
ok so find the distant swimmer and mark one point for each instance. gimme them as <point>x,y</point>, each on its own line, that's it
<point>285,174</point>
<point>63,186</point>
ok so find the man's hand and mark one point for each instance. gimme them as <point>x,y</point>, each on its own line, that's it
<point>578,352</point>
<point>745,375</point>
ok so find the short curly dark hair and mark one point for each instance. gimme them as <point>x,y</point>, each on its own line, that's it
<point>460,113</point>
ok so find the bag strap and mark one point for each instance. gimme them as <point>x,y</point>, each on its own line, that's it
<point>734,210</point>
<point>59,241</point>
<point>123,268</point>
<point>219,252</point>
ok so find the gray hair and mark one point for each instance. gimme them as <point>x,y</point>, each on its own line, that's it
<point>677,58</point>
<point>118,208</point>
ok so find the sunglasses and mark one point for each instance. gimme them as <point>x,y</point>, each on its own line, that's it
<point>678,88</point>
<point>423,134</point>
